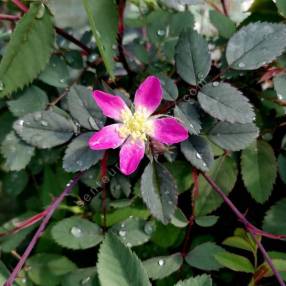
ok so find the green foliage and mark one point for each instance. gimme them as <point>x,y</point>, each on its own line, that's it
<point>203,280</point>
<point>21,63</point>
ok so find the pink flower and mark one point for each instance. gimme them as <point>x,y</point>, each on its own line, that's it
<point>133,129</point>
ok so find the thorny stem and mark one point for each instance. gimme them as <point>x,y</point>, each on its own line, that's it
<point>104,179</point>
<point>50,210</point>
<point>249,227</point>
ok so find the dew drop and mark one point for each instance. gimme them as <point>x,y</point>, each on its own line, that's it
<point>21,122</point>
<point>241,65</point>
<point>44,123</point>
<point>1,86</point>
<point>76,231</point>
<point>128,244</point>
<point>149,228</point>
<point>62,80</point>
<point>161,262</point>
<point>191,125</point>
<point>215,83</point>
<point>280,96</point>
<point>122,233</point>
<point>198,155</point>
<point>161,33</point>
<point>85,280</point>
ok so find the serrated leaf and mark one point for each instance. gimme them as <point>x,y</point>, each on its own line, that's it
<point>44,129</point>
<point>15,182</point>
<point>274,220</point>
<point>255,45</point>
<point>259,170</point>
<point>30,100</point>
<point>203,280</point>
<point>224,173</point>
<point>192,57</point>
<point>162,266</point>
<point>117,265</point>
<point>82,276</point>
<point>233,136</point>
<point>16,152</point>
<point>103,20</point>
<point>132,231</point>
<point>189,114</point>
<point>235,262</point>
<point>159,191</point>
<point>78,155</point>
<point>238,242</point>
<point>84,109</point>
<point>226,103</point>
<point>76,233</point>
<point>56,73</point>
<point>203,256</point>
<point>48,269</point>
<point>225,26</point>
<point>28,50</point>
<point>198,152</point>
<point>206,221</point>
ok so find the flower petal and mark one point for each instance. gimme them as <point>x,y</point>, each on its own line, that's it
<point>106,138</point>
<point>169,131</point>
<point>111,105</point>
<point>149,94</point>
<point>130,155</point>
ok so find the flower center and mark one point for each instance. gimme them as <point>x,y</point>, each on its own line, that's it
<point>135,125</point>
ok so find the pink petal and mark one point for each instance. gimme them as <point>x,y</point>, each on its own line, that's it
<point>106,138</point>
<point>111,105</point>
<point>149,94</point>
<point>169,131</point>
<point>130,155</point>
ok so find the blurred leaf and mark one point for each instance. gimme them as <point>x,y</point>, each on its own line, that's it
<point>259,170</point>
<point>179,219</point>
<point>225,26</point>
<point>203,280</point>
<point>82,276</point>
<point>280,86</point>
<point>15,182</point>
<point>203,256</point>
<point>224,173</point>
<point>170,90</point>
<point>198,152</point>
<point>206,221</point>
<point>117,265</point>
<point>282,167</point>
<point>233,136</point>
<point>30,100</point>
<point>47,269</point>
<point>281,4</point>
<point>6,121</point>
<point>84,109</point>
<point>193,61</point>
<point>226,103</point>
<point>256,45</point>
<point>120,184</point>
<point>235,262</point>
<point>16,152</point>
<point>159,191</point>
<point>103,20</point>
<point>44,129</point>
<point>238,242</point>
<point>162,266</point>
<point>28,50</point>
<point>76,233</point>
<point>78,155</point>
<point>4,273</point>
<point>274,221</point>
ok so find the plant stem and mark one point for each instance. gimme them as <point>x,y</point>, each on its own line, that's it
<point>248,226</point>
<point>50,210</point>
<point>9,17</point>
<point>224,7</point>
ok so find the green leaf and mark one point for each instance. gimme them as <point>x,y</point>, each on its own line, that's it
<point>259,170</point>
<point>203,256</point>
<point>76,233</point>
<point>170,90</point>
<point>28,50</point>
<point>280,86</point>
<point>188,113</point>
<point>84,109</point>
<point>117,265</point>
<point>207,221</point>
<point>233,136</point>
<point>120,184</point>
<point>78,155</point>
<point>238,242</point>
<point>226,28</point>
<point>48,269</point>
<point>282,167</point>
<point>281,4</point>
<point>198,152</point>
<point>16,152</point>
<point>179,219</point>
<point>256,45</point>
<point>224,173</point>
<point>274,220</point>
<point>6,122</point>
<point>226,103</point>
<point>203,280</point>
<point>44,129</point>
<point>133,231</point>
<point>30,100</point>
<point>159,191</point>
<point>4,273</point>
<point>56,72</point>
<point>162,266</point>
<point>15,182</point>
<point>235,262</point>
<point>103,20</point>
<point>80,277</point>
<point>192,57</point>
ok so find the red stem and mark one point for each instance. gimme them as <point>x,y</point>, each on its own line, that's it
<point>224,7</point>
<point>103,175</point>
<point>9,17</point>
<point>50,210</point>
<point>248,226</point>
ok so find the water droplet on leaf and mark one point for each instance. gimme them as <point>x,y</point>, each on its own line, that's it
<point>161,262</point>
<point>149,228</point>
<point>198,155</point>
<point>161,33</point>
<point>122,232</point>
<point>76,231</point>
<point>85,280</point>
<point>241,65</point>
<point>128,244</point>
<point>215,83</point>
<point>44,123</point>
